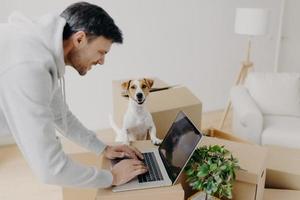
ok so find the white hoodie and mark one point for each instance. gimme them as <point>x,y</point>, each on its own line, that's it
<point>32,103</point>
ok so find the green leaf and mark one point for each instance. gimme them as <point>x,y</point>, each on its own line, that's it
<point>218,179</point>
<point>204,169</point>
<point>213,167</point>
<point>189,172</point>
<point>211,187</point>
<point>209,161</point>
<point>199,186</point>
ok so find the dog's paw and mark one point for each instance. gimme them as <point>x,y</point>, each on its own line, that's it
<point>122,140</point>
<point>156,141</point>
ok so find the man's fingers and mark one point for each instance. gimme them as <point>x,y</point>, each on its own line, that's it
<point>137,172</point>
<point>140,167</point>
<point>117,154</point>
<point>137,152</point>
<point>131,163</point>
<point>131,154</point>
<point>126,170</point>
<point>134,162</point>
<point>137,162</point>
<point>134,152</point>
<point>128,151</point>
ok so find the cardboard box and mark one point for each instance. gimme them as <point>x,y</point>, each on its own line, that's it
<point>162,104</point>
<point>282,163</point>
<point>250,181</point>
<point>171,192</point>
<point>283,171</point>
<point>82,193</point>
<point>274,194</point>
<point>242,190</point>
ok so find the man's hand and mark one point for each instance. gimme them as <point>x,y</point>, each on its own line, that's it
<point>121,151</point>
<point>126,170</point>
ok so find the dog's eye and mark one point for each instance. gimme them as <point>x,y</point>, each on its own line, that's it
<point>132,87</point>
<point>144,86</point>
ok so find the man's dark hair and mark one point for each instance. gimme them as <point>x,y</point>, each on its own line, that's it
<point>91,19</point>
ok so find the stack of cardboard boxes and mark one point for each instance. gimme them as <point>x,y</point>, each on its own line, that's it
<point>282,164</point>
<point>282,169</point>
<point>250,179</point>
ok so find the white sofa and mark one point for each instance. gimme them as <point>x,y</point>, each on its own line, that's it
<point>266,109</point>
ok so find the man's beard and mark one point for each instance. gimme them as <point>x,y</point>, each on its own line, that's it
<point>74,58</point>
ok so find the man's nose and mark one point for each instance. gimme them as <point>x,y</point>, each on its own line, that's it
<point>101,61</point>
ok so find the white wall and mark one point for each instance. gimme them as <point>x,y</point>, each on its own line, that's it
<point>180,41</point>
<point>290,42</point>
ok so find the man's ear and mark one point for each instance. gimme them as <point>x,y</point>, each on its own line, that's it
<point>125,85</point>
<point>79,39</point>
<point>149,82</point>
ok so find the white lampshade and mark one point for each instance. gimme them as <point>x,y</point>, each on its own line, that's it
<point>251,21</point>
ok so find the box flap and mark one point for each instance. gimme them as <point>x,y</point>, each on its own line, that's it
<point>251,158</point>
<point>177,97</point>
<point>289,159</point>
<point>275,194</point>
<point>211,132</point>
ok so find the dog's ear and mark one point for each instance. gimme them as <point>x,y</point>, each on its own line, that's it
<point>125,85</point>
<point>149,82</point>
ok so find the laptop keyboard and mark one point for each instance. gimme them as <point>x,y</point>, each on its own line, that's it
<point>154,173</point>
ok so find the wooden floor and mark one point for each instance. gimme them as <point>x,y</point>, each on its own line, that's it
<point>17,181</point>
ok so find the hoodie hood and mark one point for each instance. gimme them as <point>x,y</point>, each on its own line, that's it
<point>49,29</point>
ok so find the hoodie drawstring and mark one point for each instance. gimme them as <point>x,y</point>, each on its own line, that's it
<point>64,105</point>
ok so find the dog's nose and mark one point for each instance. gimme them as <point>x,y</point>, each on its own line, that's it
<point>139,95</point>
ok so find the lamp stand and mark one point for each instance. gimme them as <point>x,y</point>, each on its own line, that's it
<point>246,66</point>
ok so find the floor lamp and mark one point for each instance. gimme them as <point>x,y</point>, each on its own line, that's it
<point>250,22</point>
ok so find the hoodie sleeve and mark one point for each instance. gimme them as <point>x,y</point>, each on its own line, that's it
<point>74,129</point>
<point>25,95</point>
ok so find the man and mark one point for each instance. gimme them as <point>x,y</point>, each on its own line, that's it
<point>32,101</point>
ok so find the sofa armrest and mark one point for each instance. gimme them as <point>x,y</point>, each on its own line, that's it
<point>247,119</point>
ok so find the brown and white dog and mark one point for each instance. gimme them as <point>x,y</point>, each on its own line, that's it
<point>137,121</point>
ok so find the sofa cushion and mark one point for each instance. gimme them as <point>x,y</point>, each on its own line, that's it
<point>275,93</point>
<point>281,130</point>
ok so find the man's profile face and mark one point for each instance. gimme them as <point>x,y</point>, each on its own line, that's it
<point>84,56</point>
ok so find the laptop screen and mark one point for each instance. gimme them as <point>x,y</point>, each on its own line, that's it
<point>179,145</point>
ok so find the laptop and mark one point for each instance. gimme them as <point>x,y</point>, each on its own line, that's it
<point>167,162</point>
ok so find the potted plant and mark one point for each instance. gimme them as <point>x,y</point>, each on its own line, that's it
<point>211,170</point>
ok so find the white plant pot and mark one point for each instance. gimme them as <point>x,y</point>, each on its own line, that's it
<point>202,196</point>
